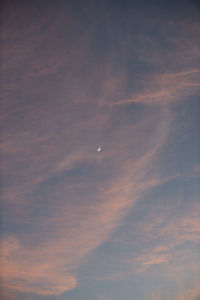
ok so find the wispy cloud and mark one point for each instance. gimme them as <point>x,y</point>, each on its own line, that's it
<point>166,88</point>
<point>61,198</point>
<point>72,222</point>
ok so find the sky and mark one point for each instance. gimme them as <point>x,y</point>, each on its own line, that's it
<point>121,223</point>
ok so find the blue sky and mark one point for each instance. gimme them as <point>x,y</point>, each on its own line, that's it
<point>123,222</point>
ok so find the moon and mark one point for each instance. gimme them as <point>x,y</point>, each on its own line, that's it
<point>99,149</point>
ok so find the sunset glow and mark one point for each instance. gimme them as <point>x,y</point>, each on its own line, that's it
<point>100,150</point>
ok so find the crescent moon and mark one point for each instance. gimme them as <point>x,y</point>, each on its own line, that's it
<point>99,149</point>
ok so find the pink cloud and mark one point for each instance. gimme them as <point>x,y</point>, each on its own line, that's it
<point>54,127</point>
<point>63,239</point>
<point>166,88</point>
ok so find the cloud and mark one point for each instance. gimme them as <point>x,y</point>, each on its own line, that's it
<point>68,222</point>
<point>8,294</point>
<point>26,269</point>
<point>190,294</point>
<point>62,199</point>
<point>159,240</point>
<point>197,169</point>
<point>150,260</point>
<point>103,297</point>
<point>165,88</point>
